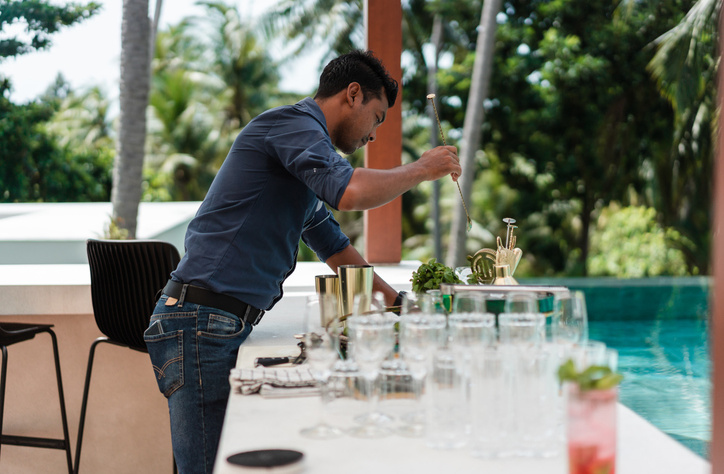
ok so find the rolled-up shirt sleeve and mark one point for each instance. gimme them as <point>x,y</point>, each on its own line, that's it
<point>323,235</point>
<point>304,149</point>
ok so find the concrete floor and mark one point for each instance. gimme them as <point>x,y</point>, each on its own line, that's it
<point>127,428</point>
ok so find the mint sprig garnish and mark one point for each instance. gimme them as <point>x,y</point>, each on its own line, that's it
<point>595,377</point>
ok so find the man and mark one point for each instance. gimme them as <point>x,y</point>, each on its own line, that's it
<point>243,242</point>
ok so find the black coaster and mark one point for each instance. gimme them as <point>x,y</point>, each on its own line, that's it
<point>266,458</point>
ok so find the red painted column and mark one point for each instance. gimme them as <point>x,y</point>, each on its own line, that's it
<point>716,299</point>
<point>383,226</point>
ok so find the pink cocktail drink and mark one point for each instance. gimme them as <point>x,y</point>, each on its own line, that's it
<point>591,430</point>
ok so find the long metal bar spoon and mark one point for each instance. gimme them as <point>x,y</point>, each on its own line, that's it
<point>431,98</point>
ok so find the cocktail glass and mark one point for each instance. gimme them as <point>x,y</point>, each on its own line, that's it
<point>591,430</point>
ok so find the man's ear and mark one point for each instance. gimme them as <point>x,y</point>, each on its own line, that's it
<point>354,93</point>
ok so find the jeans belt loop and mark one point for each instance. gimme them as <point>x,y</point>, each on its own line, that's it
<point>182,296</point>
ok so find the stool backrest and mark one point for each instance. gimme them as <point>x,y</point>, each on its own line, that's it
<point>126,277</point>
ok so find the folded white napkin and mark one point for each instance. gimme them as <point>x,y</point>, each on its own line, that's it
<point>274,382</point>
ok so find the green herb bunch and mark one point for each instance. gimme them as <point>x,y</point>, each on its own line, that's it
<point>595,377</point>
<point>430,275</point>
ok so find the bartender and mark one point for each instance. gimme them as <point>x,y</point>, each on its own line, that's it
<point>242,244</point>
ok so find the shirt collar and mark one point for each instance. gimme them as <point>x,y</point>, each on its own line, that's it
<point>310,106</point>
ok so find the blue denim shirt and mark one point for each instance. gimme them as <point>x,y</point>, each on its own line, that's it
<point>269,192</point>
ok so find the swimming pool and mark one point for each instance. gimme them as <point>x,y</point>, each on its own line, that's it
<point>660,326</point>
<point>666,367</point>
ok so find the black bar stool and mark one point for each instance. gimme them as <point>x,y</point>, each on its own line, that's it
<point>12,333</point>
<point>126,279</point>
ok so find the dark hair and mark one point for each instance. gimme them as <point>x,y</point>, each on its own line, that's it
<point>361,67</point>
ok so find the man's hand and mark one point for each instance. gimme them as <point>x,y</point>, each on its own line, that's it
<point>440,161</point>
<point>350,256</point>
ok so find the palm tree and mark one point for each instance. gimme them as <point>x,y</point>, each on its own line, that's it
<point>184,118</point>
<point>242,65</point>
<point>199,101</point>
<point>685,68</point>
<point>82,120</point>
<point>134,87</point>
<point>336,25</point>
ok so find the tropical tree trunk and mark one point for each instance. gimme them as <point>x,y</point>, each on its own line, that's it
<point>474,117</point>
<point>134,90</point>
<point>154,30</point>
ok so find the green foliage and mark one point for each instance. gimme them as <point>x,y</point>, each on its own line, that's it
<point>41,19</point>
<point>37,165</point>
<point>115,231</point>
<point>685,68</point>
<point>200,101</point>
<point>573,122</point>
<point>430,275</point>
<point>595,377</point>
<point>37,168</point>
<point>337,24</point>
<point>629,243</point>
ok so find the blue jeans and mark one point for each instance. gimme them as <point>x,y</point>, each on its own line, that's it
<point>192,349</point>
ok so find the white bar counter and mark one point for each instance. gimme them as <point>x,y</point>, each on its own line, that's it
<point>253,422</point>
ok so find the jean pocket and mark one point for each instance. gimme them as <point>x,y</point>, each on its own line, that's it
<point>222,325</point>
<point>166,352</point>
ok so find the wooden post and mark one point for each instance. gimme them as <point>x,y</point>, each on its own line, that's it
<point>383,226</point>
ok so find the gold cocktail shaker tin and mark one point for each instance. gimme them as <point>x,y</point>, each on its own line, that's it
<point>355,280</point>
<point>328,285</point>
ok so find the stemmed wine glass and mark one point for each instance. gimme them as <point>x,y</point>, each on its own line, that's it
<point>321,339</point>
<point>570,319</point>
<point>372,339</point>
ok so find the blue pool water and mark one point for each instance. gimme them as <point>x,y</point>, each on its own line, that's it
<point>666,367</point>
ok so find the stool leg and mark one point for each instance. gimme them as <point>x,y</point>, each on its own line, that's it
<point>84,405</point>
<point>61,396</point>
<point>2,388</point>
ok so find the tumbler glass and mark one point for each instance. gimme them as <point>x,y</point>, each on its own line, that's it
<point>468,302</point>
<point>538,404</point>
<point>372,340</point>
<point>432,302</point>
<point>521,328</point>
<point>521,302</point>
<point>420,335</point>
<point>468,332</point>
<point>492,407</point>
<point>570,319</point>
<point>321,341</point>
<point>446,408</point>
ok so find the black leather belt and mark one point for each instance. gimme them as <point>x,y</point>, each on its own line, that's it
<point>197,295</point>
